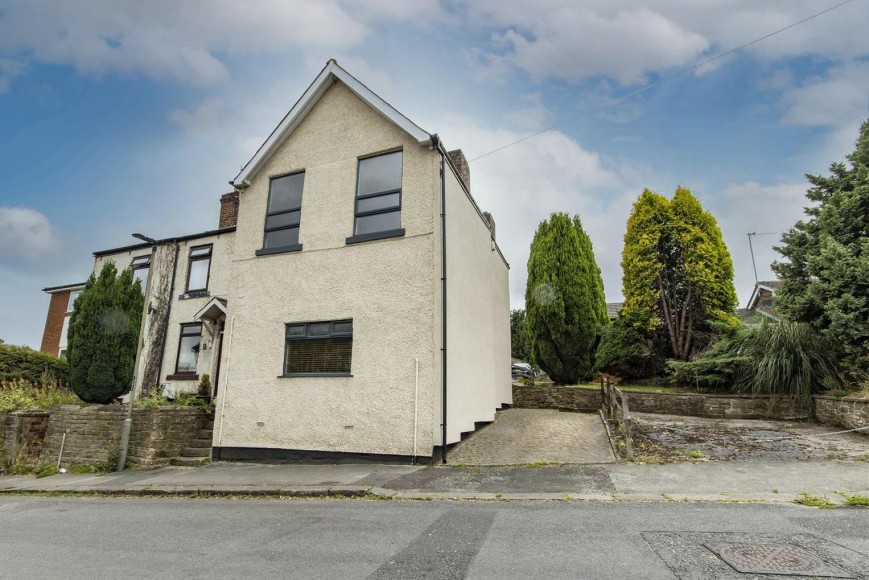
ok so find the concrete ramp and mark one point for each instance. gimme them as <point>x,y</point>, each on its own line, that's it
<point>523,436</point>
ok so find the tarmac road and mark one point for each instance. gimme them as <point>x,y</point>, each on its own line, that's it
<point>46,537</point>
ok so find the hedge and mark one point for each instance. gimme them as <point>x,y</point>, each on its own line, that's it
<point>21,362</point>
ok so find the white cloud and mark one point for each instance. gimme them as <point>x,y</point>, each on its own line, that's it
<point>9,71</point>
<point>25,232</point>
<point>168,40</point>
<point>578,42</point>
<point>836,99</point>
<point>625,39</point>
<point>523,185</point>
<point>417,12</point>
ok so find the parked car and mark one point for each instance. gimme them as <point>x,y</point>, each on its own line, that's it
<point>521,369</point>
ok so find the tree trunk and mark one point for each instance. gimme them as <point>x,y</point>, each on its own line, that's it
<point>668,315</point>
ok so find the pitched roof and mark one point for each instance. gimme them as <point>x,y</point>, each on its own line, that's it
<point>330,74</point>
<point>613,309</point>
<point>770,284</point>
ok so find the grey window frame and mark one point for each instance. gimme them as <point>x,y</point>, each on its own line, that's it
<point>186,375</point>
<point>280,249</point>
<point>199,258</point>
<point>141,263</point>
<point>383,234</point>
<point>308,336</point>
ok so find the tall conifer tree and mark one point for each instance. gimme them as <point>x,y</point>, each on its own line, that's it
<point>825,281</point>
<point>564,300</point>
<point>678,274</point>
<point>103,335</point>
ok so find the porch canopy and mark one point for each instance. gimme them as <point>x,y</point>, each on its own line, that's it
<point>211,312</point>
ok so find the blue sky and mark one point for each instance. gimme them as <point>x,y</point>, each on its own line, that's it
<point>121,117</point>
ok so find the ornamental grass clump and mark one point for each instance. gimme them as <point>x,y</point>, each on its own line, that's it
<point>785,359</point>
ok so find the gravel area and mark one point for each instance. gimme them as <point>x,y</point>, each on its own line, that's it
<point>668,438</point>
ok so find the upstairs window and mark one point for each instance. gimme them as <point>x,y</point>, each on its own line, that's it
<point>318,348</point>
<point>141,266</point>
<point>283,214</point>
<point>378,198</point>
<point>64,332</point>
<point>72,296</point>
<point>199,268</point>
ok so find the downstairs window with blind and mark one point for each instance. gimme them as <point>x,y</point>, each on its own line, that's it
<point>318,349</point>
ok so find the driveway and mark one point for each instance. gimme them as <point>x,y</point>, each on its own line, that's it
<point>523,436</point>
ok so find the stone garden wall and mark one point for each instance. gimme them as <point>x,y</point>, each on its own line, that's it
<point>93,434</point>
<point>22,434</point>
<point>849,413</point>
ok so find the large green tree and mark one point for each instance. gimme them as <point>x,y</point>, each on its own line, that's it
<point>520,341</point>
<point>564,300</point>
<point>678,274</point>
<point>103,335</point>
<point>825,280</point>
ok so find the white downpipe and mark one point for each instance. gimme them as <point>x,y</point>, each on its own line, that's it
<point>415,407</point>
<point>226,382</point>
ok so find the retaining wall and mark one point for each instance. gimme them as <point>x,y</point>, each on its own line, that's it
<point>22,434</point>
<point>93,434</point>
<point>849,413</point>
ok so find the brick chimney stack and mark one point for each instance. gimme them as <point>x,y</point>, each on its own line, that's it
<point>228,210</point>
<point>458,159</point>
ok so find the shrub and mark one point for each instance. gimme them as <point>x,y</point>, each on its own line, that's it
<point>625,351</point>
<point>20,394</point>
<point>23,363</point>
<point>204,388</point>
<point>776,359</point>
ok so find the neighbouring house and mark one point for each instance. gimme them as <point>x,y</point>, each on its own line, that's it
<point>57,319</point>
<point>353,302</point>
<point>762,302</point>
<point>613,309</point>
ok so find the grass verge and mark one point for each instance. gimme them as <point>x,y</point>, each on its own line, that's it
<point>810,500</point>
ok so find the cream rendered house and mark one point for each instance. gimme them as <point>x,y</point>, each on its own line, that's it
<point>187,282</point>
<point>353,303</point>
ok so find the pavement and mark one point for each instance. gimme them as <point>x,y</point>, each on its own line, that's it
<point>721,481</point>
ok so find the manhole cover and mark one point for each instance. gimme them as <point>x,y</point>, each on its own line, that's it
<point>775,559</point>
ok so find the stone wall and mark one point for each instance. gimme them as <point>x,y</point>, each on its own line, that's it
<point>723,406</point>
<point>22,432</point>
<point>93,434</point>
<point>6,435</point>
<point>564,398</point>
<point>849,413</point>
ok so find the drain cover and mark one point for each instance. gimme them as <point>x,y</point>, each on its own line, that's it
<point>775,559</point>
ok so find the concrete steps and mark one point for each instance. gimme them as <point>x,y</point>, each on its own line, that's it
<point>189,461</point>
<point>199,451</point>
